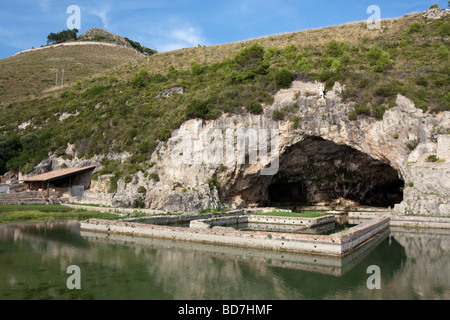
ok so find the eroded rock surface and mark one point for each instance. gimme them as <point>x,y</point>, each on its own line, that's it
<point>322,157</point>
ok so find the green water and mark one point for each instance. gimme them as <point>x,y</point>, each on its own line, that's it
<point>34,259</point>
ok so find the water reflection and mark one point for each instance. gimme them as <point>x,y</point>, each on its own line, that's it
<point>34,259</point>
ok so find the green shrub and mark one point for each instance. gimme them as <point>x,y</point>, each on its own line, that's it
<point>154,176</point>
<point>444,29</point>
<point>69,94</point>
<point>278,115</point>
<point>62,36</point>
<point>445,102</point>
<point>432,158</point>
<point>352,116</point>
<point>415,27</point>
<point>443,53</point>
<point>378,58</point>
<point>163,133</point>
<point>303,65</point>
<point>271,52</point>
<point>362,109</point>
<point>254,107</point>
<point>434,6</point>
<point>199,109</point>
<point>289,51</point>
<point>128,179</point>
<point>422,81</point>
<point>385,91</point>
<point>144,147</point>
<point>140,79</point>
<point>109,166</point>
<point>378,111</point>
<point>213,183</point>
<point>412,144</point>
<point>142,190</point>
<point>113,182</point>
<point>250,63</point>
<point>335,49</point>
<point>250,56</point>
<point>283,78</point>
<point>439,79</point>
<point>197,69</point>
<point>158,78</point>
<point>94,91</point>
<point>295,121</point>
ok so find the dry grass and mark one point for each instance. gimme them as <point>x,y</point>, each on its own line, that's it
<point>354,33</point>
<point>28,75</point>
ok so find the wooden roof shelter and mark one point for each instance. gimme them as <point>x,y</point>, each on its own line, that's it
<point>47,178</point>
<point>58,174</point>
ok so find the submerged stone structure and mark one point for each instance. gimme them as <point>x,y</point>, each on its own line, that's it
<point>338,244</point>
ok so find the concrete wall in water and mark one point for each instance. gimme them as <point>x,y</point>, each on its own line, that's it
<point>336,245</point>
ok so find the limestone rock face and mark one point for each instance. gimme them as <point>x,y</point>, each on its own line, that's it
<point>322,157</point>
<point>315,155</point>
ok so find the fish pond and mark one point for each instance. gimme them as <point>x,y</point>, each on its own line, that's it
<point>35,260</point>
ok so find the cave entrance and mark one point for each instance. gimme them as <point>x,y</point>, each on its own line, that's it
<point>286,193</point>
<point>320,172</point>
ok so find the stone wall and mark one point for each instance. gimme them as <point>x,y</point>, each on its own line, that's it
<point>335,245</point>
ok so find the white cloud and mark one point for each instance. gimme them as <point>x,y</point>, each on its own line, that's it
<point>102,14</point>
<point>44,5</point>
<point>182,36</point>
<point>189,35</point>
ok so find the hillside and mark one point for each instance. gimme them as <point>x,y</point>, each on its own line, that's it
<point>100,35</point>
<point>97,34</point>
<point>120,108</point>
<point>28,75</point>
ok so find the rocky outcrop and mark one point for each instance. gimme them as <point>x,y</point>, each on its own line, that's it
<point>302,149</point>
<point>435,13</point>
<point>319,149</point>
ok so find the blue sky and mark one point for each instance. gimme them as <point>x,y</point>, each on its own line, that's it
<point>167,25</point>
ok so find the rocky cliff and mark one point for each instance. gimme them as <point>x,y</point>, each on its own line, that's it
<point>302,149</point>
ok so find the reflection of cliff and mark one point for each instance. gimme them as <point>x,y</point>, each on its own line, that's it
<point>47,239</point>
<point>388,255</point>
<point>421,273</point>
<point>426,268</point>
<point>33,264</point>
<point>199,271</point>
<point>194,271</point>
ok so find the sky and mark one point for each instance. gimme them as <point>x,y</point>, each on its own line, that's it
<point>167,25</point>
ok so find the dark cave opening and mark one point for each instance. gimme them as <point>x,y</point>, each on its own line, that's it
<point>320,172</point>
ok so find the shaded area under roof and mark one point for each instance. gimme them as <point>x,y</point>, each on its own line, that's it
<point>57,174</point>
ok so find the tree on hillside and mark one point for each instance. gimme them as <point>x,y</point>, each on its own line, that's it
<point>136,45</point>
<point>62,36</point>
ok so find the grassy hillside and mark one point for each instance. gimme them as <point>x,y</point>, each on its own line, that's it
<point>118,110</point>
<point>27,75</point>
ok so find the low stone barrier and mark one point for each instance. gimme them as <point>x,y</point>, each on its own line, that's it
<point>218,222</point>
<point>335,245</point>
<point>37,201</point>
<point>307,222</point>
<point>406,221</point>
<point>259,219</point>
